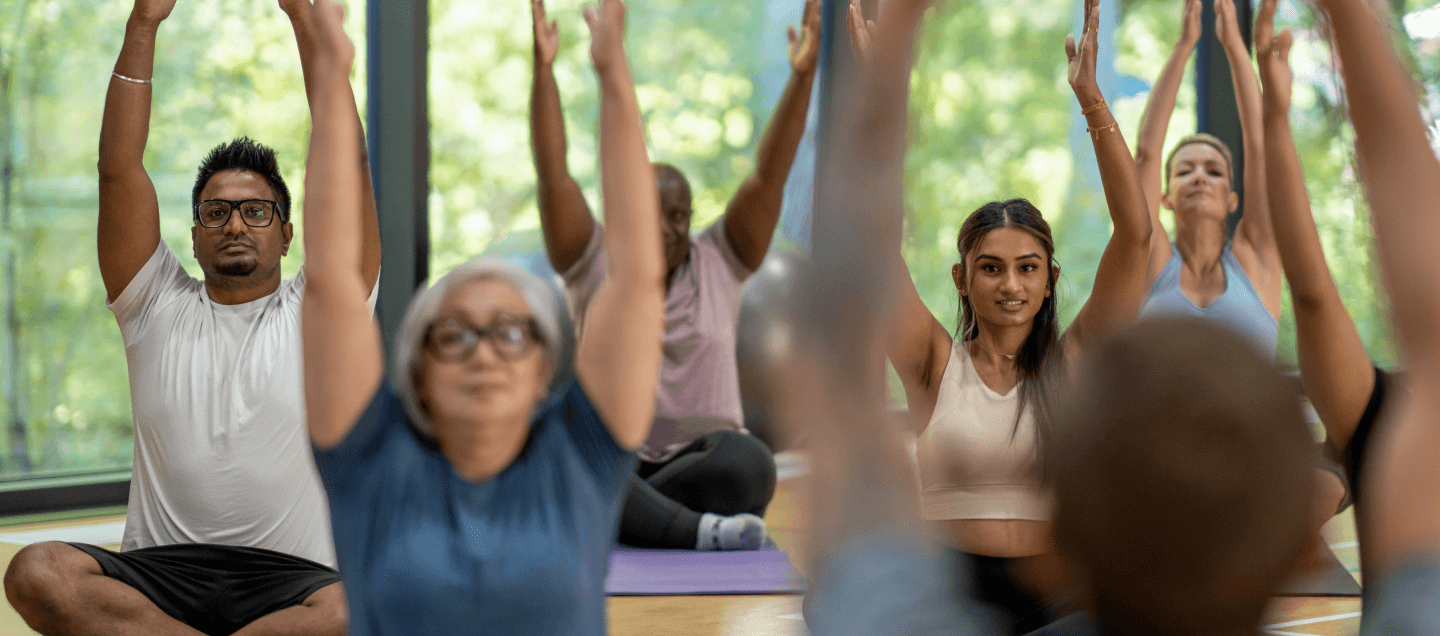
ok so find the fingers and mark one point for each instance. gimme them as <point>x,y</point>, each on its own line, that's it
<point>790,35</point>
<point>591,20</point>
<point>1282,45</point>
<point>1070,47</point>
<point>1092,27</point>
<point>1265,25</point>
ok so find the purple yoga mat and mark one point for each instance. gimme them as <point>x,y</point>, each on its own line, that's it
<point>640,572</point>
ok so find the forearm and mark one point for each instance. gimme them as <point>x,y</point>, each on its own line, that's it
<point>333,203</point>
<point>632,205</point>
<point>787,126</point>
<point>125,125</point>
<point>1155,121</point>
<point>1248,103</point>
<point>547,128</point>
<point>1123,194</point>
<point>1296,238</point>
<point>883,102</point>
<point>370,257</point>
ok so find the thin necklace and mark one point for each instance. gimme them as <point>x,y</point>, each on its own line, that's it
<point>1007,356</point>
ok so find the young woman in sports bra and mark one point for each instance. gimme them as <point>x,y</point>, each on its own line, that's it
<point>1202,274</point>
<point>978,401</point>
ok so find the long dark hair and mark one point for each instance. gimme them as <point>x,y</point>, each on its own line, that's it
<point>1039,354</point>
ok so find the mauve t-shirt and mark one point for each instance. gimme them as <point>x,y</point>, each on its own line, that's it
<point>699,388</point>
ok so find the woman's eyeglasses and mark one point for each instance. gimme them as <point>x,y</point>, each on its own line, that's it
<point>454,340</point>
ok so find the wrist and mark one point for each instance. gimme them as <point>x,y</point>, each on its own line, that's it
<point>1276,113</point>
<point>138,26</point>
<point>613,72</point>
<point>1088,96</point>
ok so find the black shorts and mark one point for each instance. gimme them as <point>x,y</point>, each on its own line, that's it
<point>216,589</point>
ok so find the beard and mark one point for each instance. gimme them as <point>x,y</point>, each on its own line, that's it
<point>237,267</point>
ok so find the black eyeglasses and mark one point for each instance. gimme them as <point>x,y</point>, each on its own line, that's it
<point>453,340</point>
<point>254,212</point>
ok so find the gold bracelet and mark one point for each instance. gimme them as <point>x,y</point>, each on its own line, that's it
<point>1096,130</point>
<point>130,79</point>
<point>1094,107</point>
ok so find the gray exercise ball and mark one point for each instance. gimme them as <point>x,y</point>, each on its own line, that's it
<point>765,339</point>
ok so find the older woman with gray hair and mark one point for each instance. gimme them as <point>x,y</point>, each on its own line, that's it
<point>483,491</point>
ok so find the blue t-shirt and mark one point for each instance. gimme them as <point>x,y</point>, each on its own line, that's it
<point>423,551</point>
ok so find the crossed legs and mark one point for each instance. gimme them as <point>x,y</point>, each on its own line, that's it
<point>61,591</point>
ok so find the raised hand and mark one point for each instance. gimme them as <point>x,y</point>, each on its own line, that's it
<point>547,34</point>
<point>1272,52</point>
<point>862,32</point>
<point>151,12</point>
<point>805,46</point>
<point>320,32</point>
<point>607,34</point>
<point>1081,71</point>
<point>1190,24</point>
<point>1227,28</point>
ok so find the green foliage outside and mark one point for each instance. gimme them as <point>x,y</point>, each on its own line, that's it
<point>991,117</point>
<point>695,65</point>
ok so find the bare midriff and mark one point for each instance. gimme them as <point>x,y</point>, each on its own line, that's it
<point>1008,538</point>
<point>1036,566</point>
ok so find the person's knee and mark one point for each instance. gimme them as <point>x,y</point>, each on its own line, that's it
<point>329,604</point>
<point>745,471</point>
<point>38,576</point>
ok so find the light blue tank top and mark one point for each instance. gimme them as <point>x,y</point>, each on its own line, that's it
<point>1239,307</point>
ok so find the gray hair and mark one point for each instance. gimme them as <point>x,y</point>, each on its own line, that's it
<point>546,302</point>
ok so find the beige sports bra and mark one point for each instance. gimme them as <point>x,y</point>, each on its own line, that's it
<point>971,466</point>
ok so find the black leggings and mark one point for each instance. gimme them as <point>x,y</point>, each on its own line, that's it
<point>989,580</point>
<point>725,472</point>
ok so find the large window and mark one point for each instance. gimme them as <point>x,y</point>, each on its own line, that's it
<point>707,74</point>
<point>991,117</point>
<point>223,69</point>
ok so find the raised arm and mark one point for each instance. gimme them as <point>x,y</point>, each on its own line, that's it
<point>1254,244</point>
<point>916,344</point>
<point>1401,517</point>
<point>306,41</point>
<point>753,211</point>
<point>343,355</point>
<point>1120,279</point>
<point>565,218</point>
<point>1150,142</point>
<point>129,227</point>
<point>618,362</point>
<point>1334,365</point>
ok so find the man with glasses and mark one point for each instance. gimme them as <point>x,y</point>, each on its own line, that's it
<point>228,529</point>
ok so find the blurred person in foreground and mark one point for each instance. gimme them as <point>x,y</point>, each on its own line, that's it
<point>981,403</point>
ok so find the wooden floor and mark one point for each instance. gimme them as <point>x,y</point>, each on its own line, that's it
<point>780,614</point>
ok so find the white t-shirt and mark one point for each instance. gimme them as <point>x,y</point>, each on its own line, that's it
<point>222,454</point>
